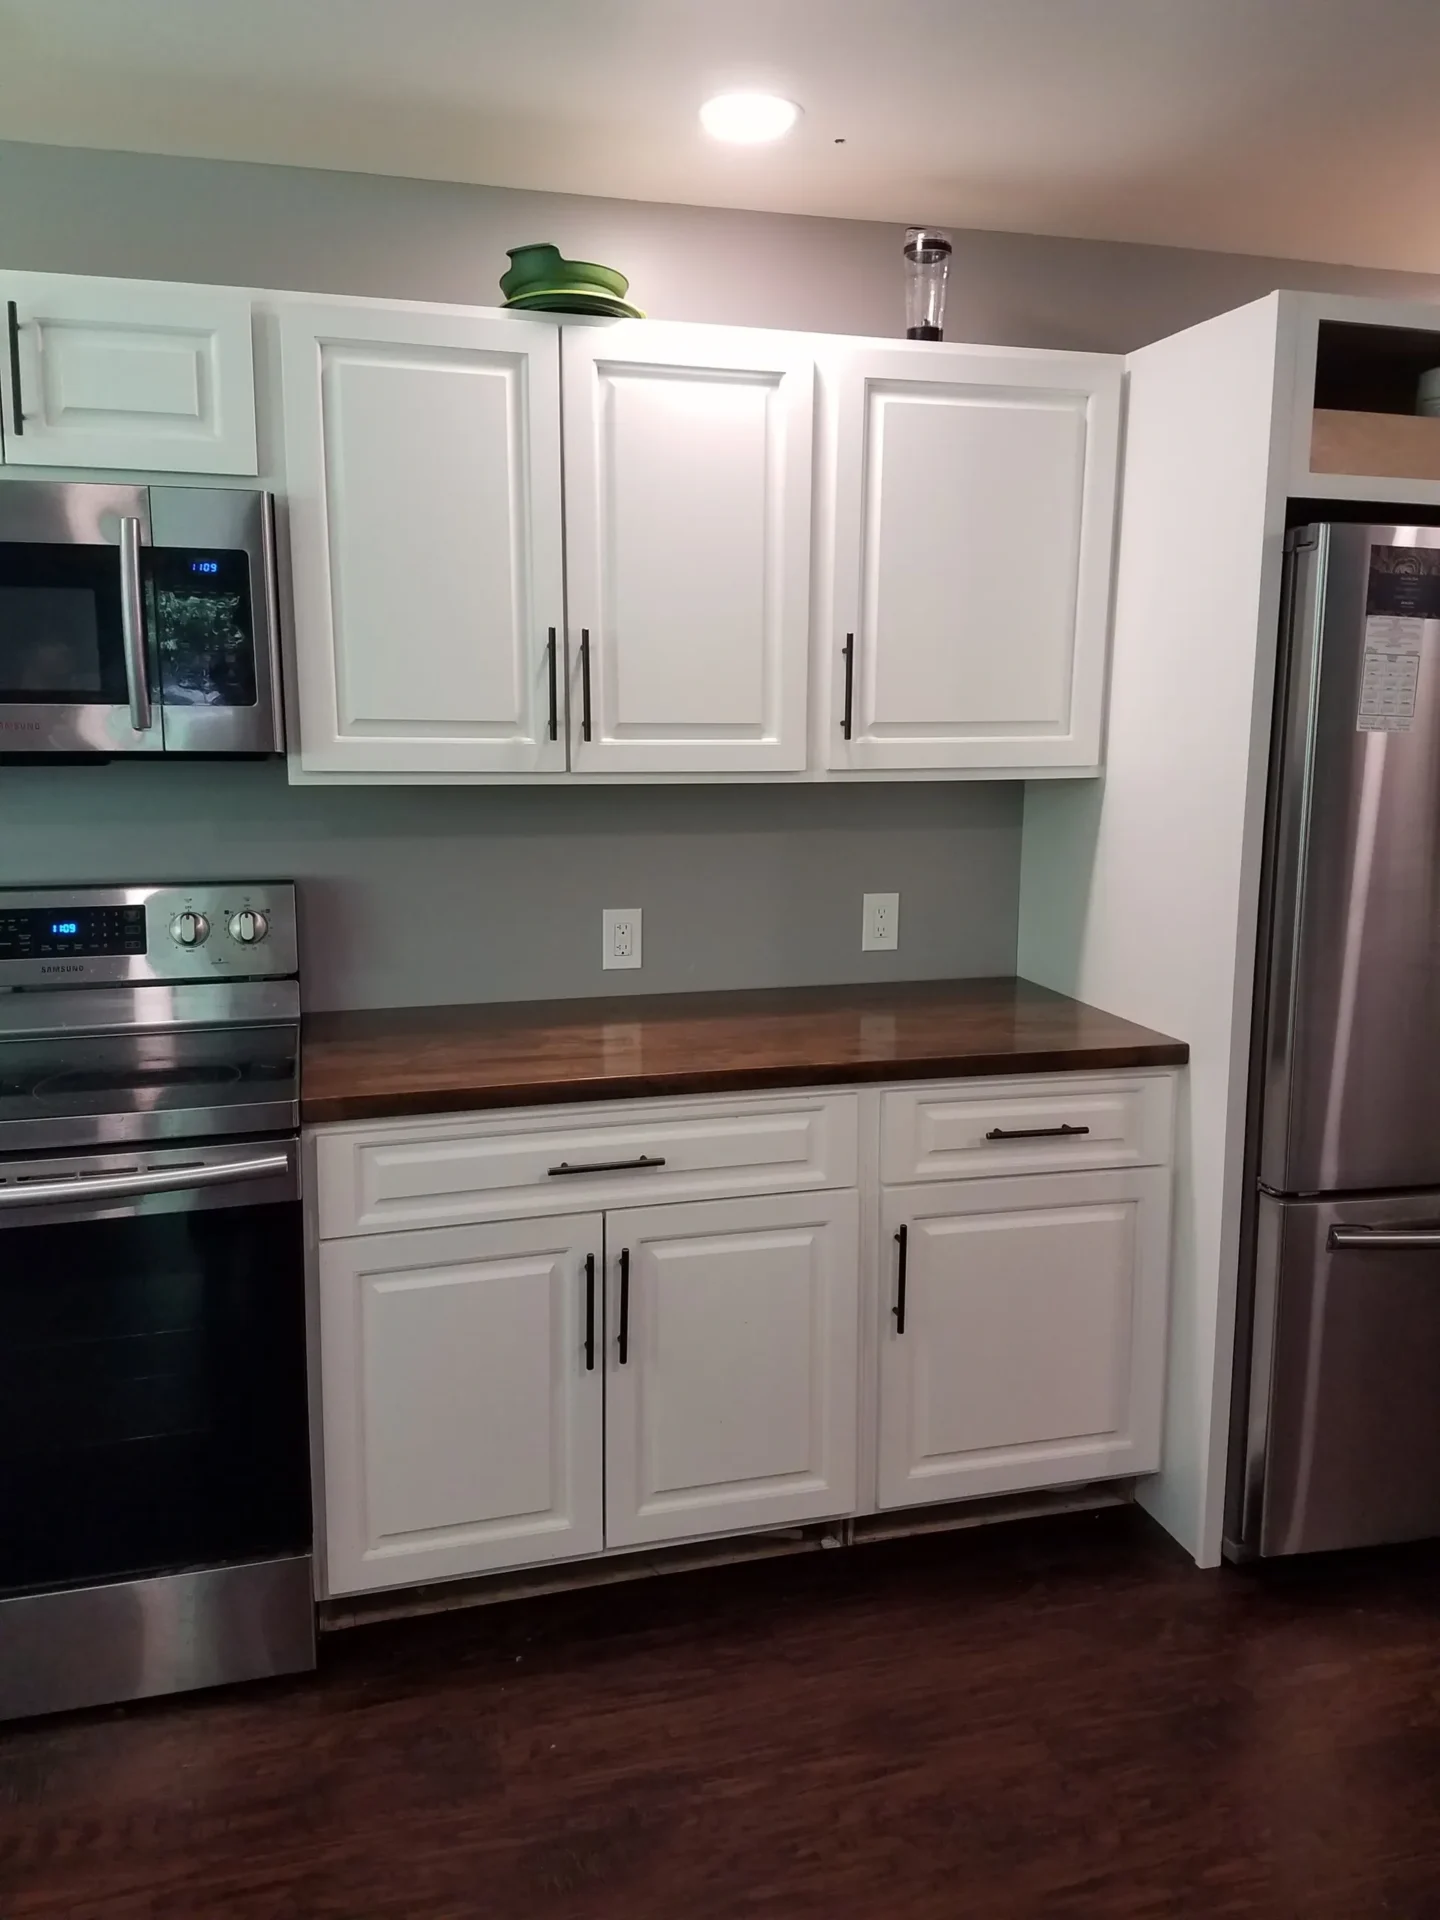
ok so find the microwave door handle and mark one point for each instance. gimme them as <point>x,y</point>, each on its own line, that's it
<point>119,1186</point>
<point>132,625</point>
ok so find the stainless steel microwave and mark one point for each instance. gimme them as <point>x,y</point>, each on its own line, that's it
<point>137,620</point>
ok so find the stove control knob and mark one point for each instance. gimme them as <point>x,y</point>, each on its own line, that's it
<point>189,929</point>
<point>249,927</point>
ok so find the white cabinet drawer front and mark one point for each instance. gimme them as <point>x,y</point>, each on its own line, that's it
<point>1013,1126</point>
<point>377,1179</point>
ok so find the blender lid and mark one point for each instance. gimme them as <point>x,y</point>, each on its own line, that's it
<point>925,246</point>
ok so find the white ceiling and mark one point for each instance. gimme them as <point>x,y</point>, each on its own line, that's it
<point>1305,128</point>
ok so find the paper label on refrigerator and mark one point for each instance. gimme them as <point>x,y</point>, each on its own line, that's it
<point>1390,676</point>
<point>1391,673</point>
<point>1402,595</point>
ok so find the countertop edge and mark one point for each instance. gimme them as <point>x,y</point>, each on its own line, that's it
<point>337,1109</point>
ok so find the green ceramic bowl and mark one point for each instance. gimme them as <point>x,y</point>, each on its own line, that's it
<point>536,269</point>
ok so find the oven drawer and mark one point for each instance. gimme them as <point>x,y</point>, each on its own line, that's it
<point>1055,1123</point>
<point>382,1178</point>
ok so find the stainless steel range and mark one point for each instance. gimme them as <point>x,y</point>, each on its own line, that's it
<point>155,1527</point>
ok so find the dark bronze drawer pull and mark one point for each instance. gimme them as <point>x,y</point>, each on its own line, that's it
<point>607,1166</point>
<point>1034,1133</point>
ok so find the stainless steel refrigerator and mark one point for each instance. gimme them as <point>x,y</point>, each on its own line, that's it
<point>1336,1431</point>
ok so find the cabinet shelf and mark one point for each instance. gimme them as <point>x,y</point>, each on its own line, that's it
<point>1397,446</point>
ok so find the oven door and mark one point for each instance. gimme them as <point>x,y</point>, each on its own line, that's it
<point>76,658</point>
<point>152,1363</point>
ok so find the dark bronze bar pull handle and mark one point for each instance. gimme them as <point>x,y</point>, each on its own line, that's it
<point>589,1313</point>
<point>1034,1133</point>
<point>849,651</point>
<point>17,412</point>
<point>584,683</point>
<point>624,1340</point>
<point>902,1240</point>
<point>554,688</point>
<point>606,1166</point>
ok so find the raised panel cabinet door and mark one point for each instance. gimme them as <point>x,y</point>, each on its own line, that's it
<point>422,450</point>
<point>134,374</point>
<point>1023,1338</point>
<point>461,1400</point>
<point>731,1389</point>
<point>688,457</point>
<point>973,520</point>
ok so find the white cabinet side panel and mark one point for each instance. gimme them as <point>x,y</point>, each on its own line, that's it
<point>1141,897</point>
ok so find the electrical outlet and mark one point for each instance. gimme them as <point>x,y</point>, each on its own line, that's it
<point>880,926</point>
<point>621,937</point>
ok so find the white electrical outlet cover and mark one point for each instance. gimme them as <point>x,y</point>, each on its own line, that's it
<point>880,923</point>
<point>620,946</point>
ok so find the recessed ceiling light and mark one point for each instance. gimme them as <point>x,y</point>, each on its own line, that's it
<point>748,119</point>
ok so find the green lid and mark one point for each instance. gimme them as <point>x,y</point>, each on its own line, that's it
<point>541,268</point>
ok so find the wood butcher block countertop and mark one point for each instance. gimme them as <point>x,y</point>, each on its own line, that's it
<point>417,1060</point>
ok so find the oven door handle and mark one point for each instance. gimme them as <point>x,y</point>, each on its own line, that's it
<point>117,1186</point>
<point>132,625</point>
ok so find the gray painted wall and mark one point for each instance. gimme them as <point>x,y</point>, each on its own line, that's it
<point>68,210</point>
<point>457,894</point>
<point>434,895</point>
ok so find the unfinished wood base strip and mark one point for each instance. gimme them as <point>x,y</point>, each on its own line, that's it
<point>1393,446</point>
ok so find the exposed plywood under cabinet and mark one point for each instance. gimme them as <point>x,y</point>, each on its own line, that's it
<point>1401,446</point>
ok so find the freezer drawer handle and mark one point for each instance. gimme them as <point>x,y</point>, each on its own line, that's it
<point>1034,1133</point>
<point>1381,1239</point>
<point>606,1166</point>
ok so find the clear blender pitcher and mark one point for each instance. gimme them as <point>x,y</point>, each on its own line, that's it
<point>927,266</point>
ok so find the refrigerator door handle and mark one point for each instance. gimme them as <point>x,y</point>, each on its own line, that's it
<point>1382,1239</point>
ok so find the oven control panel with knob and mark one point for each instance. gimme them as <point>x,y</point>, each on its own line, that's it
<point>81,936</point>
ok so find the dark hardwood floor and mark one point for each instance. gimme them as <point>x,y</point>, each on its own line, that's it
<point>1062,1718</point>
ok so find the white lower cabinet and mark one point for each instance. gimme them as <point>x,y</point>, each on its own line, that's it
<point>462,1423</point>
<point>615,1372</point>
<point>730,1390</point>
<point>1024,1337</point>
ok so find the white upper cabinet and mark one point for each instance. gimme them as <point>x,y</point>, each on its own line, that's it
<point>688,454</point>
<point>730,1396</point>
<point>422,454</point>
<point>132,374</point>
<point>969,550</point>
